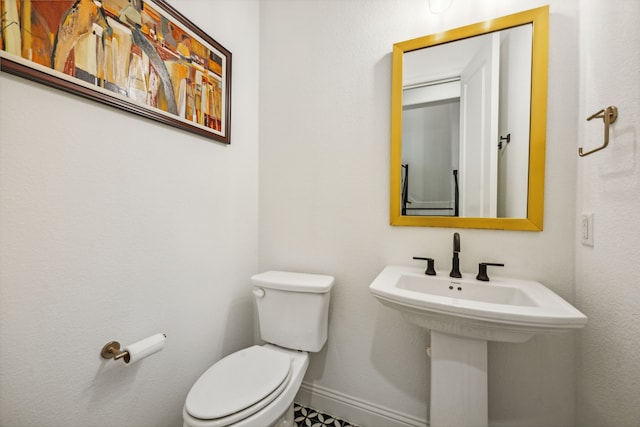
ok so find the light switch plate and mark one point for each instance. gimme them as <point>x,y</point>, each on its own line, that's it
<point>586,229</point>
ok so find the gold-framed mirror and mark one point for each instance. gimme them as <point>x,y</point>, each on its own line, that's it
<point>440,93</point>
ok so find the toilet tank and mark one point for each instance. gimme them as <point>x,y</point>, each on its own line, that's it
<point>293,308</point>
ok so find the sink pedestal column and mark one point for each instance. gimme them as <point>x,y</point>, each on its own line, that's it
<point>458,381</point>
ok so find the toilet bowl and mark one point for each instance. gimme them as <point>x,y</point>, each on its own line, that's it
<point>262,392</point>
<point>255,387</point>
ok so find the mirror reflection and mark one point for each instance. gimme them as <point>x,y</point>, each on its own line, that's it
<point>465,126</point>
<point>468,125</point>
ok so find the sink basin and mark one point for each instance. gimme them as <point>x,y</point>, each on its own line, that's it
<point>503,309</point>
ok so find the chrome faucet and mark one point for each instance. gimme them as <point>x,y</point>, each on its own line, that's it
<point>455,263</point>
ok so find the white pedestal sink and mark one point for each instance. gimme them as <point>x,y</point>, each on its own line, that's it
<point>463,315</point>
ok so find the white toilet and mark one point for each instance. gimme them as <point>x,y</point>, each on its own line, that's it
<point>255,387</point>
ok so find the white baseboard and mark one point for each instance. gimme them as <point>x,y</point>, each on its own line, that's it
<point>358,411</point>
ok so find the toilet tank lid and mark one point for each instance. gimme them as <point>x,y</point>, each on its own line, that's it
<point>291,281</point>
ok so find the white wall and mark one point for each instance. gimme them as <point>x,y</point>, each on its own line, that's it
<point>114,227</point>
<point>324,175</point>
<point>607,285</point>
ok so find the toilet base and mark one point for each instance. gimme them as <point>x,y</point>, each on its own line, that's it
<point>286,420</point>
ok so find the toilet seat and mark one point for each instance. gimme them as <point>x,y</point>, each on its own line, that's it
<point>238,386</point>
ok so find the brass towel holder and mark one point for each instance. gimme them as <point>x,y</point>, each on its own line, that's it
<point>609,116</point>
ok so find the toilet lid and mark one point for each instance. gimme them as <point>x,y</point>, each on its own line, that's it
<point>237,382</point>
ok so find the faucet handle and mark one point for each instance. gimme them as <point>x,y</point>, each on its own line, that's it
<point>482,270</point>
<point>430,271</point>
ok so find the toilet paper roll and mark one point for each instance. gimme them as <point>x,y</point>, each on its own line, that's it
<point>143,348</point>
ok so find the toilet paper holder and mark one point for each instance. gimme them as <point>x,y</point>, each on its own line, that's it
<point>133,352</point>
<point>111,350</point>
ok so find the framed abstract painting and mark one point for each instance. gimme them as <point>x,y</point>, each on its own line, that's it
<point>141,56</point>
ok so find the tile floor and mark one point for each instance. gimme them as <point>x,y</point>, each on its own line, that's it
<point>309,417</point>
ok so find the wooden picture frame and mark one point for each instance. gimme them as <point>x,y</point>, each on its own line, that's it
<point>141,56</point>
